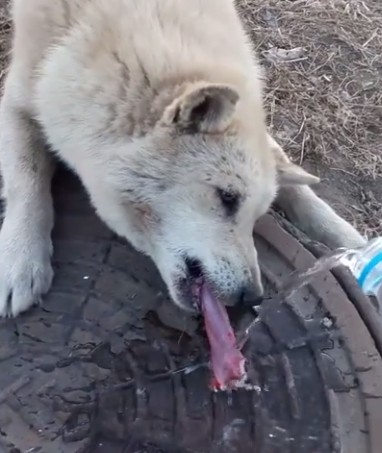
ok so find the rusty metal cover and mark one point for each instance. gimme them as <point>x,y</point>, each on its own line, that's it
<point>101,366</point>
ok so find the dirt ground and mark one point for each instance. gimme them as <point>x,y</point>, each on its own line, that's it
<point>323,61</point>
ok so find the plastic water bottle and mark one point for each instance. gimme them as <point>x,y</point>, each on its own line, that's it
<point>366,265</point>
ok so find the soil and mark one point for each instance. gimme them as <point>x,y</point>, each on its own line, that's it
<point>323,70</point>
<point>323,62</point>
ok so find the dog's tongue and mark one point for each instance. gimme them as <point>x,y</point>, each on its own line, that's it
<point>228,363</point>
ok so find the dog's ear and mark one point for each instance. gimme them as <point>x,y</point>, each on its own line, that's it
<point>203,107</point>
<point>291,174</point>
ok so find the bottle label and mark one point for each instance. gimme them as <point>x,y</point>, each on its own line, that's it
<point>370,266</point>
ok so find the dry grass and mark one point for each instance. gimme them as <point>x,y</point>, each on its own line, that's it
<point>323,62</point>
<point>324,100</point>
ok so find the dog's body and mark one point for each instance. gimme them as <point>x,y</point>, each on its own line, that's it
<point>157,106</point>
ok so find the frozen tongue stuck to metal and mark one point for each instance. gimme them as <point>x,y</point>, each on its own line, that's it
<point>227,362</point>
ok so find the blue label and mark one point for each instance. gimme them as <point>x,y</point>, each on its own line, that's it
<point>370,266</point>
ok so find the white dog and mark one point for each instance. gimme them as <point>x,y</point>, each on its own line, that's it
<point>157,106</point>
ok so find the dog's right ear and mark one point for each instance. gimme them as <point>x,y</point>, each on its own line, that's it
<point>203,107</point>
<point>289,173</point>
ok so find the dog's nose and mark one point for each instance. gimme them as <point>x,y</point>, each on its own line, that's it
<point>194,267</point>
<point>252,297</point>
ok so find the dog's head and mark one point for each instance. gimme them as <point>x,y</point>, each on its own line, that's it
<point>196,186</point>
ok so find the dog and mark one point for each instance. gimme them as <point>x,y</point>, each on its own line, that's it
<point>157,106</point>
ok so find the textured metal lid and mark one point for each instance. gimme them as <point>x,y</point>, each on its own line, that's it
<point>100,367</point>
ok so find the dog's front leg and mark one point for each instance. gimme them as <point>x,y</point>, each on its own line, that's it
<point>313,215</point>
<point>25,243</point>
<point>317,219</point>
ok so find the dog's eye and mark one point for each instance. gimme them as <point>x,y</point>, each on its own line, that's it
<point>230,200</point>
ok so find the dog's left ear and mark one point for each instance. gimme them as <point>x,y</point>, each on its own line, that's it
<point>291,174</point>
<point>203,107</point>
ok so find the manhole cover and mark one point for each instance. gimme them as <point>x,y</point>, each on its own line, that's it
<point>108,365</point>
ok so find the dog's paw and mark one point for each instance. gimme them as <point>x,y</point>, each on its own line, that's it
<point>25,273</point>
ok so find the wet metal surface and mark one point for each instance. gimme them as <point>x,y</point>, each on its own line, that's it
<point>108,364</point>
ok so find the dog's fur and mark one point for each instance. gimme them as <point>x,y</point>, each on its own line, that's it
<point>157,106</point>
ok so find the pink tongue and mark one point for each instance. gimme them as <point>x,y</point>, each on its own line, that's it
<point>226,359</point>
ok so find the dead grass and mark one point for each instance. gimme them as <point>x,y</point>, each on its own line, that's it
<point>323,62</point>
<point>324,97</point>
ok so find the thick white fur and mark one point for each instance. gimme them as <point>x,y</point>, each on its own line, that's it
<point>154,104</point>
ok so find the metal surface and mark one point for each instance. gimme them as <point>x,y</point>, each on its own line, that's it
<point>103,366</point>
